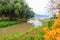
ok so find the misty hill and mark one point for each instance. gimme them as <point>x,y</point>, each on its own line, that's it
<point>38,16</point>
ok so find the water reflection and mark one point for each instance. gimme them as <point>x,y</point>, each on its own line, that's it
<point>34,22</point>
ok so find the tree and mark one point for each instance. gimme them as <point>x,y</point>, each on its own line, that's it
<point>1,8</point>
<point>52,8</point>
<point>15,9</point>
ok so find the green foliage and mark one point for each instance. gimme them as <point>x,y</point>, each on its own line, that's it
<point>17,6</point>
<point>1,8</point>
<point>15,9</point>
<point>50,23</point>
<point>7,23</point>
<point>28,38</point>
<point>12,36</point>
<point>41,35</point>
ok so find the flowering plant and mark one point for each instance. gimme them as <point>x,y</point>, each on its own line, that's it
<point>54,33</point>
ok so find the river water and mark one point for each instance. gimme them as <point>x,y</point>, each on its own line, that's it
<point>35,22</point>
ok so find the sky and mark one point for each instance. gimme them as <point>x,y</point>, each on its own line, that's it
<point>38,6</point>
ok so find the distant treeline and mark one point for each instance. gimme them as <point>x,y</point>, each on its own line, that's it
<point>15,9</point>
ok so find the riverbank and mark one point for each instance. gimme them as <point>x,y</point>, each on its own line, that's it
<point>21,31</point>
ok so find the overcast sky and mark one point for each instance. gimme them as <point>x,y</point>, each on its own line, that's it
<point>39,6</point>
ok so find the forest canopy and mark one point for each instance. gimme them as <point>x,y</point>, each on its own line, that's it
<point>15,9</point>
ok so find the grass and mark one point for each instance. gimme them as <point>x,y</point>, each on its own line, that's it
<point>29,37</point>
<point>11,36</point>
<point>14,35</point>
<point>7,23</point>
<point>38,36</point>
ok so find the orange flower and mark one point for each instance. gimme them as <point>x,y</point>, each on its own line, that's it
<point>52,33</point>
<point>55,25</point>
<point>55,32</point>
<point>58,37</point>
<point>59,15</point>
<point>46,36</point>
<point>59,22</point>
<point>45,29</point>
<point>58,30</point>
